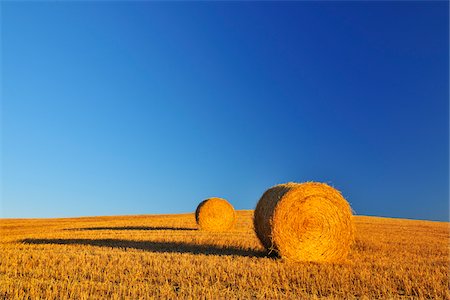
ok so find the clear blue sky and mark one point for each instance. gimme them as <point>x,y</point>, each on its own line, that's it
<point>150,107</point>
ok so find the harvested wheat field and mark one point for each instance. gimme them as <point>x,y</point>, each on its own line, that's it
<point>165,256</point>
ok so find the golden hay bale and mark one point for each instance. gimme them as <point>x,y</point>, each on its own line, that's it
<point>305,222</point>
<point>215,214</point>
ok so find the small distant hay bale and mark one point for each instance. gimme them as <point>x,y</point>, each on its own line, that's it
<point>305,222</point>
<point>215,214</point>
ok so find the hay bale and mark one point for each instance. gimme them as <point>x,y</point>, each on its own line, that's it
<point>215,214</point>
<point>305,222</point>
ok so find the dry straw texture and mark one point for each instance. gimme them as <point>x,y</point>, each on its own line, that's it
<point>164,257</point>
<point>215,214</point>
<point>305,222</point>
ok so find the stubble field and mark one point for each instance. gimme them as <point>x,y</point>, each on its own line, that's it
<point>165,256</point>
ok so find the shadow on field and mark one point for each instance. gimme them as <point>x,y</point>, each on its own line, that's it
<point>131,228</point>
<point>157,247</point>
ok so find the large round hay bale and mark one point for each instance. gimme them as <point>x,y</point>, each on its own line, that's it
<point>305,222</point>
<point>215,214</point>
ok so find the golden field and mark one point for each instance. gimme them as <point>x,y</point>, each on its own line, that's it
<point>165,256</point>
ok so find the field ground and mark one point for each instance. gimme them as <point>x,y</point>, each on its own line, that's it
<point>165,256</point>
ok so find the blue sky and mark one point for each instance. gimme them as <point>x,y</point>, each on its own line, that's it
<point>150,107</point>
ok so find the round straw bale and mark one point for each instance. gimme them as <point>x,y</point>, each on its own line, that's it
<point>215,214</point>
<point>305,222</point>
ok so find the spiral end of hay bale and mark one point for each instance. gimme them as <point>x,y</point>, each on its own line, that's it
<point>305,222</point>
<point>215,214</point>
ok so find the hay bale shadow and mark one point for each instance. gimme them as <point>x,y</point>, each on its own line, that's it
<point>132,228</point>
<point>153,246</point>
